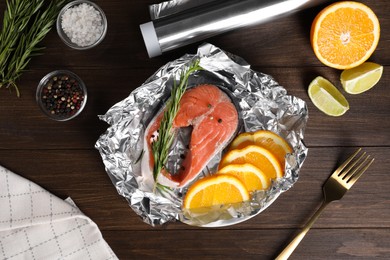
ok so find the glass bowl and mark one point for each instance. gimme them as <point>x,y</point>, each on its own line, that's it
<point>61,95</point>
<point>66,39</point>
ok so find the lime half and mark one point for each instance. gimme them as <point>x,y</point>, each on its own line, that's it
<point>327,98</point>
<point>361,78</point>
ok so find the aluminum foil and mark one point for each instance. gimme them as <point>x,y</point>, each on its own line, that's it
<point>261,103</point>
<point>177,23</point>
<point>171,7</point>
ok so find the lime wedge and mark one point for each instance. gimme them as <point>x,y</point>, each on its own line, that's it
<point>327,98</point>
<point>361,78</point>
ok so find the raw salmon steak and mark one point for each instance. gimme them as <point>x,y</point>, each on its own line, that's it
<point>213,119</point>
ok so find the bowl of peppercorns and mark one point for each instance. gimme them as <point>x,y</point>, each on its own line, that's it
<point>61,95</point>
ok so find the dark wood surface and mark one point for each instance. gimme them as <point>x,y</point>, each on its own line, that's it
<point>60,156</point>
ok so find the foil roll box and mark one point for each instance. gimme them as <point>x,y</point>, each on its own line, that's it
<point>261,103</point>
<point>178,23</point>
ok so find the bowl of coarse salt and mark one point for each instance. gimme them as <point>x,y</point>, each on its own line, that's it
<point>81,24</point>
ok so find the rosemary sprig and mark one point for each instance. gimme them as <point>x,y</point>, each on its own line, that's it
<point>25,24</point>
<point>161,146</point>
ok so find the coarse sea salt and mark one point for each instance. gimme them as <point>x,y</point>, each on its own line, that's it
<point>83,24</point>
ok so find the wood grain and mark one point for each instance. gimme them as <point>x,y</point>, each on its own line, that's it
<point>250,244</point>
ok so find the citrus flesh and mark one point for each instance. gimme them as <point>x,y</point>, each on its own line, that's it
<point>327,98</point>
<point>266,139</point>
<point>252,177</point>
<point>218,189</point>
<point>362,78</point>
<point>258,157</point>
<point>345,34</point>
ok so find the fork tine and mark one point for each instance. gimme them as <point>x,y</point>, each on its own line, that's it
<point>352,172</point>
<point>356,176</point>
<point>347,172</point>
<point>342,166</point>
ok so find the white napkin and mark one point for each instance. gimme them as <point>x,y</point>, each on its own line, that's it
<point>34,224</point>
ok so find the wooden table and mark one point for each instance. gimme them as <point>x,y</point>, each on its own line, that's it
<point>60,156</point>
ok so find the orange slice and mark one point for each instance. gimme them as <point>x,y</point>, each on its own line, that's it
<point>214,190</point>
<point>266,139</point>
<point>252,177</point>
<point>345,34</point>
<point>257,156</point>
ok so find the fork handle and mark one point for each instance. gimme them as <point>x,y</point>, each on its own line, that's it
<point>285,254</point>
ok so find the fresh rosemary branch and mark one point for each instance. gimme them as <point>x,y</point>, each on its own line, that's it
<point>25,24</point>
<point>161,146</point>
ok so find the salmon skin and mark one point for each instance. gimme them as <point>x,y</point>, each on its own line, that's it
<point>214,121</point>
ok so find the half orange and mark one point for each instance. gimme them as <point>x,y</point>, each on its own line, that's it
<point>345,34</point>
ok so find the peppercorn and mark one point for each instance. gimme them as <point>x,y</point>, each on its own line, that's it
<point>62,96</point>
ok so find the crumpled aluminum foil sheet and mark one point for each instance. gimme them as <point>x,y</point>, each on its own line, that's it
<point>261,103</point>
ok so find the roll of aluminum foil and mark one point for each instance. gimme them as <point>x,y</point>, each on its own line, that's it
<point>261,103</point>
<point>180,22</point>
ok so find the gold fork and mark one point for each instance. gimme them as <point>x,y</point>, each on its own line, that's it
<point>334,188</point>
